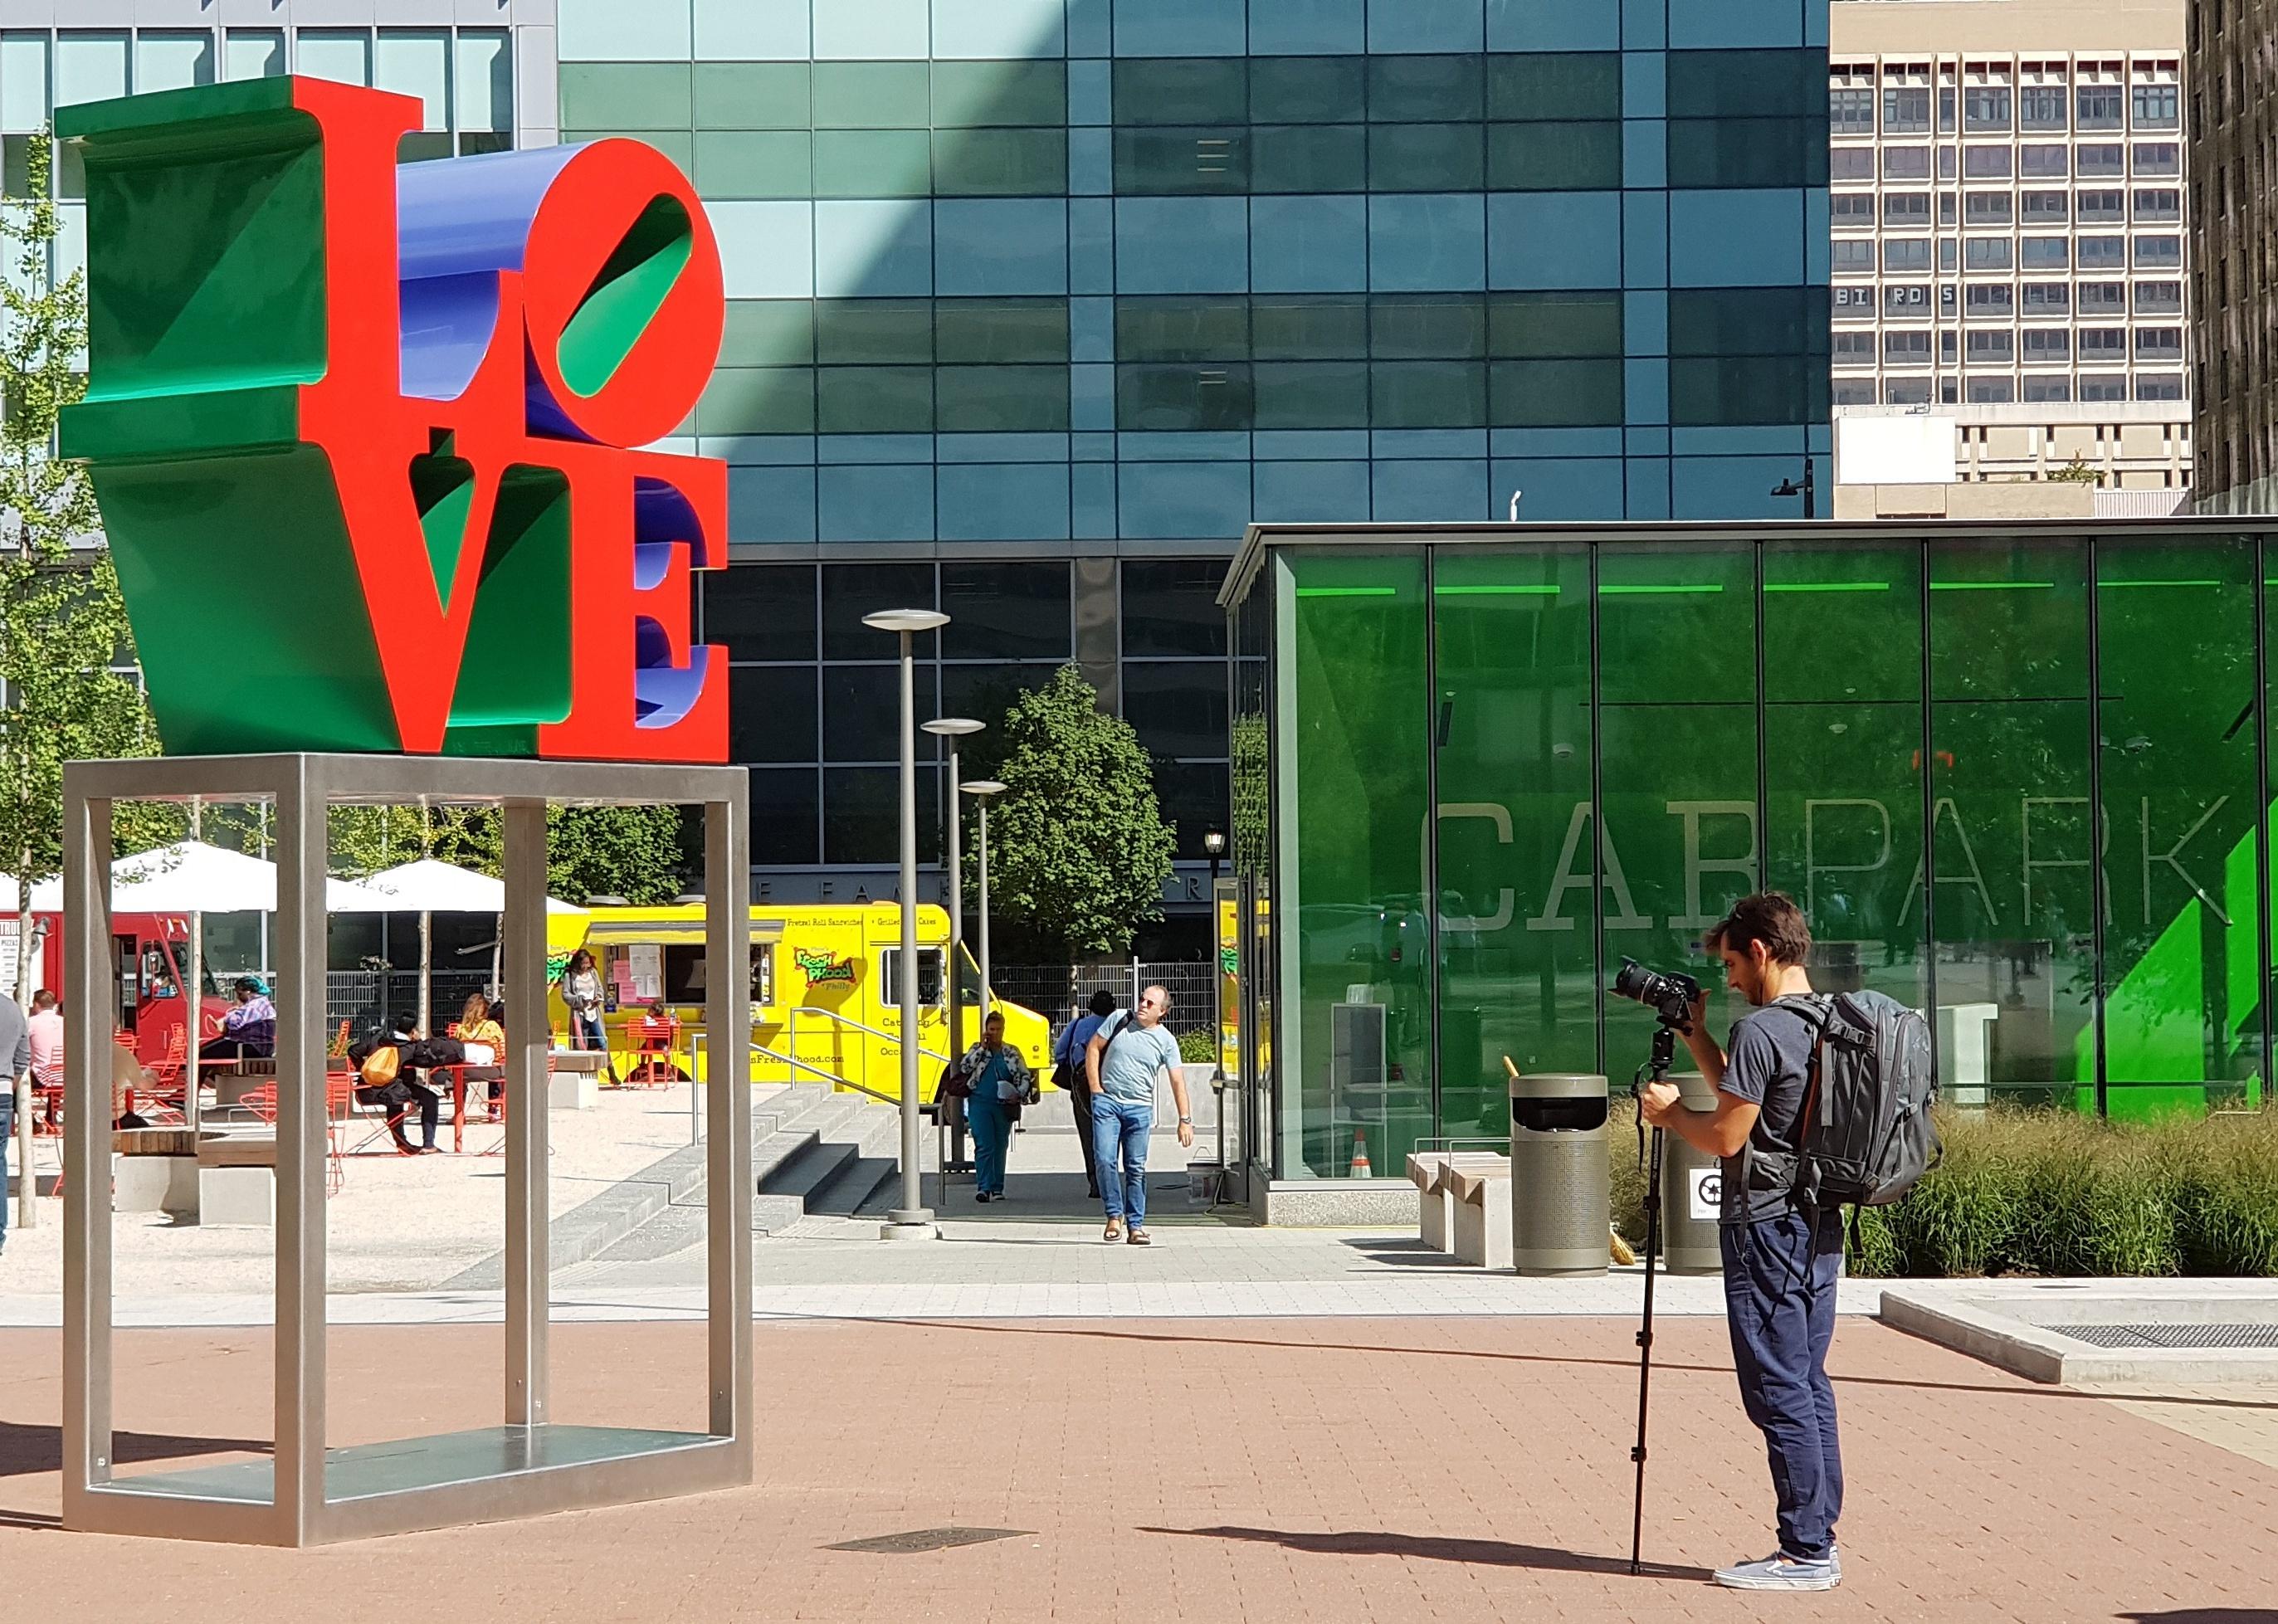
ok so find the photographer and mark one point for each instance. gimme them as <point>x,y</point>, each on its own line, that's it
<point>1781,1262</point>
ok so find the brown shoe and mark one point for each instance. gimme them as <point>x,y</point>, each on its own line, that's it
<point>1114,1229</point>
<point>1140,1237</point>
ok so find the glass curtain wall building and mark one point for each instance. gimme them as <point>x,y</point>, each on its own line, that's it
<point>1036,303</point>
<point>1475,770</point>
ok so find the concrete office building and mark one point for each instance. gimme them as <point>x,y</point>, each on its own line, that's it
<point>2008,217</point>
<point>1036,303</point>
<point>2231,77</point>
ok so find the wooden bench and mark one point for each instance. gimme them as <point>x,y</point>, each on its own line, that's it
<point>154,1170</point>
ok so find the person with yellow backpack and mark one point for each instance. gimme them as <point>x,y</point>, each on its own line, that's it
<point>387,1075</point>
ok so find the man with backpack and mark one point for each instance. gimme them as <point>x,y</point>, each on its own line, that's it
<point>1782,1257</point>
<point>1122,1059</point>
<point>1069,1073</point>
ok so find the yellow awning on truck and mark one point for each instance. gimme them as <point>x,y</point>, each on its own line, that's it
<point>670,932</point>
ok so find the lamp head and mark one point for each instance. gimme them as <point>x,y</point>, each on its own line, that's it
<point>905,621</point>
<point>982,787</point>
<point>1214,842</point>
<point>952,726</point>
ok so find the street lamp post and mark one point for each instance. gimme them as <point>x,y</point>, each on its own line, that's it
<point>1807,490</point>
<point>981,790</point>
<point>955,728</point>
<point>910,1221</point>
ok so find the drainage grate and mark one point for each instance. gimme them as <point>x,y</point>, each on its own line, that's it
<point>928,1539</point>
<point>2172,1336</point>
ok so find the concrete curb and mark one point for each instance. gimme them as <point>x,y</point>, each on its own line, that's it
<point>2021,1327</point>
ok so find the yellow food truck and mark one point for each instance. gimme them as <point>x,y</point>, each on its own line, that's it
<point>825,993</point>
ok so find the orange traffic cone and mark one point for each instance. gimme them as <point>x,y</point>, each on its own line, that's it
<point>1360,1168</point>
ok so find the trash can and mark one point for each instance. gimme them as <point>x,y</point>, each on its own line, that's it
<point>1558,1195</point>
<point>1690,1191</point>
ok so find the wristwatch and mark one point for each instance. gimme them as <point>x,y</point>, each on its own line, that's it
<point>1185,1121</point>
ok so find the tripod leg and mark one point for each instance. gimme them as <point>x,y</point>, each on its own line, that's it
<point>1645,1344</point>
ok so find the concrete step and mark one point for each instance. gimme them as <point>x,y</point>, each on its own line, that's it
<point>862,1181</point>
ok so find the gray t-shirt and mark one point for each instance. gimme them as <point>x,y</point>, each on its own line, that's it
<point>1135,1056</point>
<point>15,1042</point>
<point>1768,1061</point>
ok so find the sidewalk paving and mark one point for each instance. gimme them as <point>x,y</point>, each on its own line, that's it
<point>1228,1471</point>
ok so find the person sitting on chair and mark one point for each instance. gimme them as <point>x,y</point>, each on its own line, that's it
<point>653,1035</point>
<point>406,1091</point>
<point>249,1030</point>
<point>479,1031</point>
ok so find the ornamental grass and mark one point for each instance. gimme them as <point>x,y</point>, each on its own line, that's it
<point>2044,1192</point>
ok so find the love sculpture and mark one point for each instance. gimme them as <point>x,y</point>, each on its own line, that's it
<point>363,436</point>
<point>367,441</point>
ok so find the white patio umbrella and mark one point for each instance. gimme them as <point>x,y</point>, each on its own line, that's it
<point>192,877</point>
<point>428,887</point>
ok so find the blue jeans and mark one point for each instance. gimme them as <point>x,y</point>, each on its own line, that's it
<point>586,1032</point>
<point>7,1140</point>
<point>1118,1138</point>
<point>985,1114</point>
<point>1779,1300</point>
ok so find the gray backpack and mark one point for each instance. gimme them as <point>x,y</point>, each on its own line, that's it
<point>1866,1137</point>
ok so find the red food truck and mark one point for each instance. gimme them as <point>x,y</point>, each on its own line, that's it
<point>149,957</point>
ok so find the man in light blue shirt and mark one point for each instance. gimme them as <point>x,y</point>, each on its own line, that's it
<point>1125,1056</point>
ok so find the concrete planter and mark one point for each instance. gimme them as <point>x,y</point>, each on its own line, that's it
<point>155,1184</point>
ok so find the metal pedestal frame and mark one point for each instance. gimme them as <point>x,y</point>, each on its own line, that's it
<point>306,1494</point>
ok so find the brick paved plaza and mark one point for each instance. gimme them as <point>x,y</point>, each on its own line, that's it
<point>1320,1469</point>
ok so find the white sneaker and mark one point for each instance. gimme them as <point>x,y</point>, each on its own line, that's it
<point>1781,1572</point>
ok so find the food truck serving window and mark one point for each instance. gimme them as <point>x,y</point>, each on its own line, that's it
<point>890,970</point>
<point>684,972</point>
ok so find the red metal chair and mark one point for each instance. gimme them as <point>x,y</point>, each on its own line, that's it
<point>260,1102</point>
<point>168,1089</point>
<point>655,1038</point>
<point>344,1108</point>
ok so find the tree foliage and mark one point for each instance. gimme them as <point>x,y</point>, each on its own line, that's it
<point>1078,850</point>
<point>629,851</point>
<point>63,625</point>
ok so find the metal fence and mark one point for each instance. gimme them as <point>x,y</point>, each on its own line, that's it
<point>361,995</point>
<point>1058,991</point>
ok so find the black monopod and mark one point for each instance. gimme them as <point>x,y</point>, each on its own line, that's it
<point>1671,998</point>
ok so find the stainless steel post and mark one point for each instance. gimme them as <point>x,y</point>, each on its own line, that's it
<point>728,1143</point>
<point>88,1017</point>
<point>528,1216</point>
<point>302,1108</point>
<point>911,1220</point>
<point>912,1210</point>
<point>985,995</point>
<point>194,996</point>
<point>957,920</point>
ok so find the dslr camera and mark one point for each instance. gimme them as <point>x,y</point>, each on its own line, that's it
<point>1669,997</point>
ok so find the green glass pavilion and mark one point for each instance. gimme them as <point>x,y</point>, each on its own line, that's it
<point>1476,765</point>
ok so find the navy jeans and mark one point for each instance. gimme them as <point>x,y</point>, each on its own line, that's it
<point>1779,1300</point>
<point>1119,1132</point>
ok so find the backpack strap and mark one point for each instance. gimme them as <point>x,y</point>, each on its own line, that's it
<point>1819,1007</point>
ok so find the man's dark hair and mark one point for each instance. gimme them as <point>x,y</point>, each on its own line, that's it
<point>1771,917</point>
<point>1103,1002</point>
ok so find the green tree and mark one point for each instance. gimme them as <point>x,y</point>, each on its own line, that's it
<point>2077,472</point>
<point>629,851</point>
<point>63,625</point>
<point>1078,850</point>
